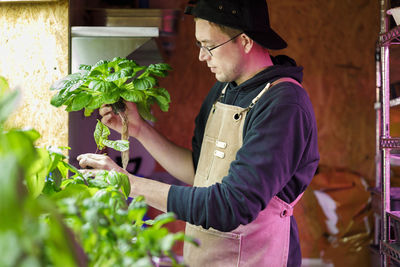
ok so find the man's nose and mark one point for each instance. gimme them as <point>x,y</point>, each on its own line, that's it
<point>203,55</point>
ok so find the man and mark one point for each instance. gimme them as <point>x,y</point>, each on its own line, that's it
<point>254,147</point>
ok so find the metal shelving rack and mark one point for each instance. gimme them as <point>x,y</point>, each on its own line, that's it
<point>387,221</point>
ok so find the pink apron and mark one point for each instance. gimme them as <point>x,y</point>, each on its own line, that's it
<point>263,242</point>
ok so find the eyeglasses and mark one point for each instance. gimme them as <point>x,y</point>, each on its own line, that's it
<point>208,50</point>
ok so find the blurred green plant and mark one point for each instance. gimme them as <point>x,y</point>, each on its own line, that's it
<point>48,219</point>
<point>25,238</point>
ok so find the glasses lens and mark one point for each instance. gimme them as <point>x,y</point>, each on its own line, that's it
<point>198,44</point>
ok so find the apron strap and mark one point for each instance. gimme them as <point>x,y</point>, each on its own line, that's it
<point>296,200</point>
<point>269,85</point>
<point>288,211</point>
<point>254,101</point>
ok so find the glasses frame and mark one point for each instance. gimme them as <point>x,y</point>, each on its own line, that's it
<point>208,50</point>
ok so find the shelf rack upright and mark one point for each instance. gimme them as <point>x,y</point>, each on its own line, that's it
<point>389,220</point>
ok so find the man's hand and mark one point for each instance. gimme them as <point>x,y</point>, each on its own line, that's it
<point>113,120</point>
<point>93,163</point>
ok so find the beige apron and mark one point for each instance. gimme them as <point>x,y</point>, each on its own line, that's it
<point>263,242</point>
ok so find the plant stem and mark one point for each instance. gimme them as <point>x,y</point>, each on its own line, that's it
<point>124,136</point>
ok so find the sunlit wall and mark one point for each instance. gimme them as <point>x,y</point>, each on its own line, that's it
<point>33,54</point>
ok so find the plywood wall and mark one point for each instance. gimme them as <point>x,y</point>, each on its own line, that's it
<point>335,43</point>
<point>333,40</point>
<point>34,54</point>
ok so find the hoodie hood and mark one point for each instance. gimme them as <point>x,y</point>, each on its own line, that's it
<point>284,66</point>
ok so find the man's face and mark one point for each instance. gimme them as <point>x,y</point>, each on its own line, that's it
<point>226,60</point>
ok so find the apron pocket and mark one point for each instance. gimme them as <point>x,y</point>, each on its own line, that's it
<point>206,158</point>
<point>216,248</point>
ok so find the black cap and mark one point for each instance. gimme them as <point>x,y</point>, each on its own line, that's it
<point>250,16</point>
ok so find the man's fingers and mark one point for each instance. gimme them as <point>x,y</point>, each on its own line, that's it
<point>104,110</point>
<point>95,161</point>
<point>88,160</point>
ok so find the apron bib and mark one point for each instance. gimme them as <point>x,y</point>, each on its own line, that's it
<point>263,242</point>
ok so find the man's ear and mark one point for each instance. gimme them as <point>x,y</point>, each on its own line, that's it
<point>247,43</point>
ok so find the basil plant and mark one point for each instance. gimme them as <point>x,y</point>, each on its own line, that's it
<point>112,82</point>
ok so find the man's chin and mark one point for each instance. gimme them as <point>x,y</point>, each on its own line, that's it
<point>220,78</point>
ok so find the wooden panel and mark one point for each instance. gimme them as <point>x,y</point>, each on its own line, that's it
<point>335,43</point>
<point>34,54</point>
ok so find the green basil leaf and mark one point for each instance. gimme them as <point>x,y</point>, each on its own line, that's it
<point>162,98</point>
<point>162,219</point>
<point>144,83</point>
<point>127,86</point>
<point>123,63</point>
<point>77,191</point>
<point>114,63</point>
<point>66,94</point>
<point>3,86</point>
<point>102,195</point>
<point>57,178</point>
<point>70,167</point>
<point>122,73</point>
<point>102,175</point>
<point>101,133</point>
<point>161,66</point>
<point>32,134</point>
<point>69,107</point>
<point>133,96</point>
<point>55,160</point>
<point>88,112</point>
<point>95,73</point>
<point>102,86</point>
<point>76,86</point>
<point>100,67</point>
<point>20,144</point>
<point>9,196</point>
<point>162,102</point>
<point>97,183</point>
<point>145,112</point>
<point>160,70</point>
<point>85,67</point>
<point>58,99</point>
<point>7,105</point>
<point>165,93</point>
<point>111,97</point>
<point>168,241</point>
<point>114,179</point>
<point>125,185</point>
<point>62,169</point>
<point>69,81</point>
<point>68,99</point>
<point>119,145</point>
<point>136,210</point>
<point>95,103</point>
<point>80,101</point>
<point>37,172</point>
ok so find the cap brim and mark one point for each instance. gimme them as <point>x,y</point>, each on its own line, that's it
<point>269,39</point>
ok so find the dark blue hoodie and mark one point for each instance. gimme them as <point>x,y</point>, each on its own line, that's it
<point>279,155</point>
